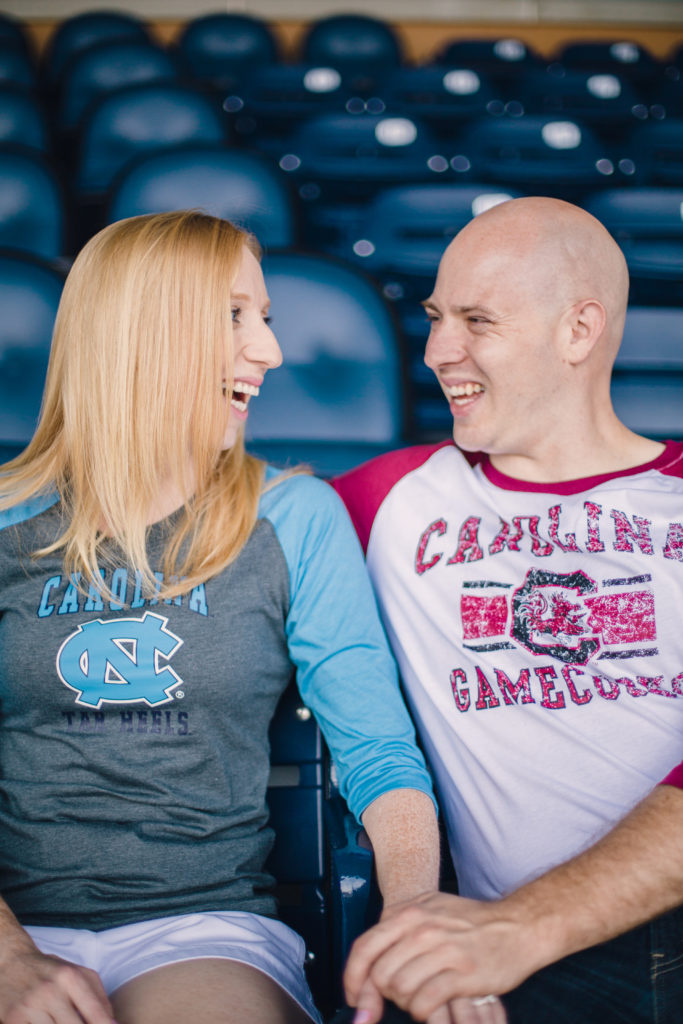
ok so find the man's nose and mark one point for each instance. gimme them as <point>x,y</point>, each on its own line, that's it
<point>445,344</point>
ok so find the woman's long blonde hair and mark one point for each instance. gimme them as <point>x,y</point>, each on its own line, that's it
<point>142,345</point>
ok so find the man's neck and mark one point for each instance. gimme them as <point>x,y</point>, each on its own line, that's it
<point>554,464</point>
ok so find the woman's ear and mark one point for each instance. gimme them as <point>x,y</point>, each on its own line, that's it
<point>586,322</point>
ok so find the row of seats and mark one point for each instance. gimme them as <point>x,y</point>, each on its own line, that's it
<point>222,46</point>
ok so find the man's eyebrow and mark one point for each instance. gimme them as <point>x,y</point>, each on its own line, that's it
<point>430,304</point>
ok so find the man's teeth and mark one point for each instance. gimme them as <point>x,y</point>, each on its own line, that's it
<point>465,390</point>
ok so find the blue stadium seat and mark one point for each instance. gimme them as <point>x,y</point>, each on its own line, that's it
<point>501,58</point>
<point>30,290</point>
<point>534,153</point>
<point>361,47</point>
<point>12,33</point>
<point>606,100</point>
<point>32,214</point>
<point>626,58</point>
<point>22,120</point>
<point>16,67</point>
<point>82,30</point>
<point>338,397</point>
<point>219,49</point>
<point>105,67</point>
<point>139,120</point>
<point>648,225</point>
<point>655,149</point>
<point>339,161</point>
<point>647,385</point>
<point>273,99</point>
<point>441,96</point>
<point>238,186</point>
<point>322,868</point>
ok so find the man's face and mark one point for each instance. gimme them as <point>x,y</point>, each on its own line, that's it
<point>493,345</point>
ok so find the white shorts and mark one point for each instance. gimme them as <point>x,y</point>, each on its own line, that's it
<point>120,954</point>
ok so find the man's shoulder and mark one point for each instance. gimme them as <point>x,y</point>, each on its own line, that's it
<point>365,488</point>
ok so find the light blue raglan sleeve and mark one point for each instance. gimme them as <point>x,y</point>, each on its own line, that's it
<point>345,671</point>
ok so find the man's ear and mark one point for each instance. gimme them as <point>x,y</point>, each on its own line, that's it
<point>586,322</point>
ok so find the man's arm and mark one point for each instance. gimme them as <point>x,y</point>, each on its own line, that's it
<point>440,947</point>
<point>38,987</point>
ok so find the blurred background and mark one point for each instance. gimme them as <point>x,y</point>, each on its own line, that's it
<point>354,139</point>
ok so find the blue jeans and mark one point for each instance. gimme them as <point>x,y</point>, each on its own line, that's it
<point>636,978</point>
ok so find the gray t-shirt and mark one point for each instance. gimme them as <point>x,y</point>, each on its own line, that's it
<point>134,750</point>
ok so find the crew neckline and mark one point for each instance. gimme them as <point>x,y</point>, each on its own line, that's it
<point>510,483</point>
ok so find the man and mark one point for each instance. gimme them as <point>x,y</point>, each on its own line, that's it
<point>531,581</point>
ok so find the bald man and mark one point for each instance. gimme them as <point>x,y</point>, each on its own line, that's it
<point>530,577</point>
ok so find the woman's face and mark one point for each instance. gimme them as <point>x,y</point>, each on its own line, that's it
<point>255,349</point>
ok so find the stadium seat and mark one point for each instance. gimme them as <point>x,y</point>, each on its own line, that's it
<point>30,290</point>
<point>238,186</point>
<point>442,97</point>
<point>273,100</point>
<point>503,59</point>
<point>219,49</point>
<point>16,67</point>
<point>648,225</point>
<point>32,213</point>
<point>339,161</point>
<point>363,48</point>
<point>12,33</point>
<point>83,30</point>
<point>338,397</point>
<point>22,120</point>
<point>322,868</point>
<point>606,100</point>
<point>647,384</point>
<point>138,120</point>
<point>655,149</point>
<point>554,156</point>
<point>105,67</point>
<point>626,58</point>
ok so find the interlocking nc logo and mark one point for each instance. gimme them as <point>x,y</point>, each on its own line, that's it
<point>118,661</point>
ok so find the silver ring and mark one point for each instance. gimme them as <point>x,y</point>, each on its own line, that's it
<point>483,1000</point>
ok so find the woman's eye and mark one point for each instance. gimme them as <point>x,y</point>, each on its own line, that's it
<point>235,314</point>
<point>268,320</point>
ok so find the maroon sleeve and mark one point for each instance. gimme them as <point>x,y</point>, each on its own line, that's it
<point>364,489</point>
<point>674,778</point>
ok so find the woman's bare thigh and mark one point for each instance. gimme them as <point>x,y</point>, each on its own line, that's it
<point>207,991</point>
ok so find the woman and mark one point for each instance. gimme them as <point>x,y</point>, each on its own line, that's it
<point>156,585</point>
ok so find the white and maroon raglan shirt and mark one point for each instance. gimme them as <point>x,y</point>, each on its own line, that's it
<point>539,633</point>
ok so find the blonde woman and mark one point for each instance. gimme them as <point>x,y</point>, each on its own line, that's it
<point>156,586</point>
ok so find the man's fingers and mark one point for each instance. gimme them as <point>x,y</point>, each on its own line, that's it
<point>87,994</point>
<point>480,1010</point>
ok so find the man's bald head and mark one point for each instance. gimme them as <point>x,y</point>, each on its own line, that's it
<point>552,249</point>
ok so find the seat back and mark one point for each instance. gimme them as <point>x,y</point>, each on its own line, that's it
<point>340,383</point>
<point>16,67</point>
<point>22,121</point>
<point>105,67</point>
<point>358,45</point>
<point>620,56</point>
<point>83,30</point>
<point>502,58</point>
<point>655,148</point>
<point>648,225</point>
<point>533,152</point>
<point>647,384</point>
<point>219,49</point>
<point>31,205</point>
<point>440,96</point>
<point>603,99</point>
<point>139,120</point>
<point>237,186</point>
<point>30,290</point>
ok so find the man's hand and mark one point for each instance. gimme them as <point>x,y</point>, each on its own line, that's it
<point>435,957</point>
<point>39,989</point>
